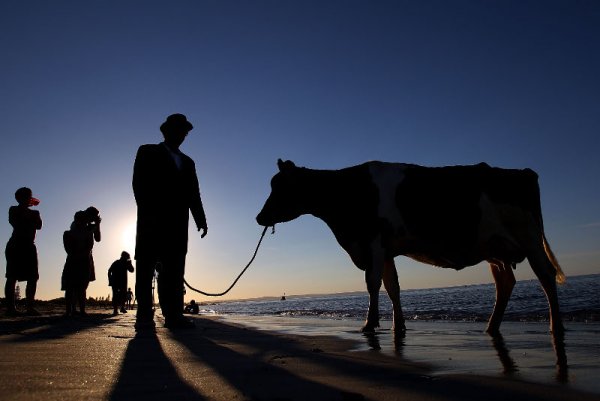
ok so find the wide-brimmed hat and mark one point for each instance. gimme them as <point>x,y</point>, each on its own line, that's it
<point>176,121</point>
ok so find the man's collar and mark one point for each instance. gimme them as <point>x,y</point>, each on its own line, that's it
<point>170,149</point>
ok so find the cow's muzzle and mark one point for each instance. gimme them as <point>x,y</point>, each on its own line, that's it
<point>263,221</point>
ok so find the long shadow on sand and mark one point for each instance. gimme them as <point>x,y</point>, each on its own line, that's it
<point>259,375</point>
<point>148,374</point>
<point>41,328</point>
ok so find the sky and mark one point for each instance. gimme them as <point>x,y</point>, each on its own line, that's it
<point>328,84</point>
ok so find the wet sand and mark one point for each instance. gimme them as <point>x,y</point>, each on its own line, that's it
<point>524,352</point>
<point>101,357</point>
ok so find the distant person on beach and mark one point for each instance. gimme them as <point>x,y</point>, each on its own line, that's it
<point>79,268</point>
<point>192,308</point>
<point>21,253</point>
<point>129,298</point>
<point>166,190</point>
<point>117,279</point>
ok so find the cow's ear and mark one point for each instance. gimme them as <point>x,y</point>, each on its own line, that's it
<point>285,165</point>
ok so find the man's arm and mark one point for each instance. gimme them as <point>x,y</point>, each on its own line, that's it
<point>196,206</point>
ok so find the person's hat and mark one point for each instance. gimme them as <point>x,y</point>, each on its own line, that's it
<point>176,121</point>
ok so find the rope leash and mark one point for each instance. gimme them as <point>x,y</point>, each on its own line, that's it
<point>238,277</point>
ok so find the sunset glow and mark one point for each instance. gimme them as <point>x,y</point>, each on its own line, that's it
<point>325,84</point>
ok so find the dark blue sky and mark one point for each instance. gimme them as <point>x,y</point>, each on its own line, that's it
<point>327,84</point>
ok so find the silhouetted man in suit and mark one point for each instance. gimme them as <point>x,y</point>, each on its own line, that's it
<point>166,189</point>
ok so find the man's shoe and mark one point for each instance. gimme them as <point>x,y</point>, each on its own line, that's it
<point>144,325</point>
<point>144,320</point>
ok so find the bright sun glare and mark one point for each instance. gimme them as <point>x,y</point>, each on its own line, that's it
<point>128,238</point>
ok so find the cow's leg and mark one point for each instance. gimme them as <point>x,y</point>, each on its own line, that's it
<point>546,273</point>
<point>373,277</point>
<point>505,281</point>
<point>392,286</point>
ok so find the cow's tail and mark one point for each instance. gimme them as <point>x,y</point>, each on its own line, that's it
<point>560,275</point>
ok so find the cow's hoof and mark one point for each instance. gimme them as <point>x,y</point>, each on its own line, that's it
<point>493,331</point>
<point>400,332</point>
<point>368,328</point>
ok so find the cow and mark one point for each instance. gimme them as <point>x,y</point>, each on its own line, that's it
<point>451,217</point>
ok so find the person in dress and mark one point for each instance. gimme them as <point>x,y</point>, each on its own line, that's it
<point>21,252</point>
<point>79,269</point>
<point>93,220</point>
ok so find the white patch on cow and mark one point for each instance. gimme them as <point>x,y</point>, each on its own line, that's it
<point>387,177</point>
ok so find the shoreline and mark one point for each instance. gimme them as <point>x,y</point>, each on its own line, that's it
<point>101,357</point>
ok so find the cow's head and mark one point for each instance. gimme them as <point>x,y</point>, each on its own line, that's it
<point>285,201</point>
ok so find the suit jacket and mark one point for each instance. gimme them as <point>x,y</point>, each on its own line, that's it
<point>165,195</point>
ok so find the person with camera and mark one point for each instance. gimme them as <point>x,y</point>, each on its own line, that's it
<point>21,252</point>
<point>93,220</point>
<point>166,190</point>
<point>79,268</point>
<point>117,279</point>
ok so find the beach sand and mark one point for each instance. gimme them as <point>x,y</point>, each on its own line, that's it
<point>101,357</point>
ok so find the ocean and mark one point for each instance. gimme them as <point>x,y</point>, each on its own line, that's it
<point>579,300</point>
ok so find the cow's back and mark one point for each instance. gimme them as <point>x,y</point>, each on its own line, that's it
<point>440,208</point>
<point>437,210</point>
